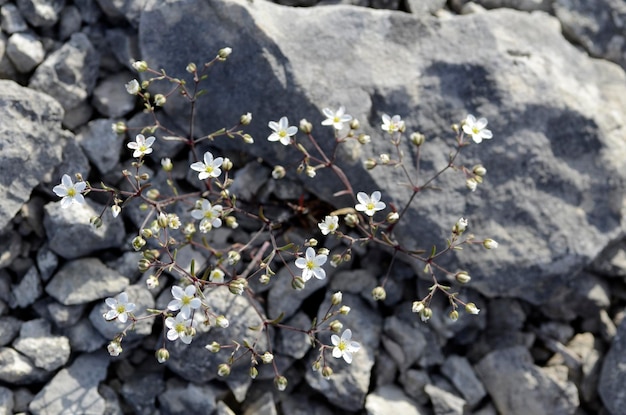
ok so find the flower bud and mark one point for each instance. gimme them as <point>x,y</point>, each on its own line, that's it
<point>460,226</point>
<point>143,265</point>
<point>191,67</point>
<point>159,100</point>
<point>454,315</point>
<point>153,194</point>
<point>336,298</point>
<point>310,171</point>
<point>479,170</point>
<point>298,284</point>
<point>471,308</point>
<point>233,257</point>
<point>278,172</point>
<point>245,119</point>
<point>264,279</point>
<point>166,164</point>
<point>335,326</point>
<point>213,347</point>
<point>335,260</point>
<point>384,158</point>
<point>114,348</point>
<point>115,210</point>
<point>138,243</point>
<point>426,314</point>
<point>344,309</point>
<point>231,222</point>
<point>280,382</point>
<point>370,163</point>
<point>224,53</point>
<point>146,233</point>
<point>417,306</point>
<point>462,277</point>
<point>254,372</point>
<point>312,242</point>
<point>223,370</point>
<point>351,220</point>
<point>140,66</point>
<point>379,293</point>
<point>152,282</point>
<point>417,139</point>
<point>305,126</point>
<point>237,286</point>
<point>267,357</point>
<point>355,124</point>
<point>119,127</point>
<point>392,217</point>
<point>162,220</point>
<point>247,138</point>
<point>323,251</point>
<point>471,184</point>
<point>490,243</point>
<point>222,321</point>
<point>364,138</point>
<point>95,221</point>
<point>316,366</point>
<point>162,355</point>
<point>327,372</point>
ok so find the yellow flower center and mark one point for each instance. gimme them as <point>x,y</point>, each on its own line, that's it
<point>370,206</point>
<point>185,300</point>
<point>475,130</point>
<point>71,192</point>
<point>120,308</point>
<point>208,169</point>
<point>282,133</point>
<point>142,148</point>
<point>342,345</point>
<point>310,264</point>
<point>180,328</point>
<point>208,214</point>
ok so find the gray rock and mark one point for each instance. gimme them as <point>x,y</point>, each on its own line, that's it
<point>69,73</point>
<point>74,158</point>
<point>524,5</point>
<point>349,383</point>
<point>386,369</point>
<point>27,290</point>
<point>84,337</point>
<point>249,179</point>
<point>70,22</point>
<point>413,382</point>
<point>85,280</point>
<point>195,363</point>
<point>101,145</point>
<point>11,19</point>
<point>223,409</point>
<point>6,401</point>
<point>89,10</point>
<point>300,404</point>
<point>419,7</point>
<point>66,227</point>
<point>294,343</point>
<point>25,51</point>
<point>265,405</point>
<point>445,403</point>
<point>30,144</point>
<point>17,369</point>
<point>517,386</point>
<point>123,45</point>
<point>180,398</point>
<point>613,372</point>
<point>10,247</point>
<point>109,329</point>
<point>599,26</point>
<point>404,342</point>
<point>141,392</point>
<point>559,104</point>
<point>9,328</point>
<point>611,262</point>
<point>110,97</point>
<point>22,397</point>
<point>64,315</point>
<point>283,298</point>
<point>459,371</point>
<point>390,399</point>
<point>112,401</point>
<point>129,10</point>
<point>47,351</point>
<point>74,389</point>
<point>47,262</point>
<point>41,13</point>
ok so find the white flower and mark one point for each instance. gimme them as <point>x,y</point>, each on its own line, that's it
<point>460,226</point>
<point>476,128</point>
<point>267,357</point>
<point>330,224</point>
<point>208,215</point>
<point>133,87</point>
<point>336,119</point>
<point>180,328</point>
<point>216,276</point>
<point>471,184</point>
<point>120,307</point>
<point>70,192</point>
<point>282,131</point>
<point>369,204</point>
<point>344,347</point>
<point>392,124</point>
<point>184,300</point>
<point>210,167</point>
<point>142,145</point>
<point>311,265</point>
<point>222,321</point>
<point>114,348</point>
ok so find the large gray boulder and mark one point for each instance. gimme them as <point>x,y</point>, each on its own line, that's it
<point>557,164</point>
<point>31,140</point>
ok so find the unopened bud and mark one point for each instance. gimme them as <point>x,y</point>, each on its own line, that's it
<point>233,257</point>
<point>247,138</point>
<point>479,170</point>
<point>153,194</point>
<point>237,286</point>
<point>140,66</point>
<point>162,355</point>
<point>231,222</point>
<point>454,315</point>
<point>335,326</point>
<point>426,314</point>
<point>245,119</point>
<point>336,298</point>
<point>224,53</point>
<point>227,164</point>
<point>417,306</point>
<point>162,220</point>
<point>355,124</point>
<point>392,217</point>
<point>462,277</point>
<point>138,242</point>
<point>327,372</point>
<point>460,226</point>
<point>471,308</point>
<point>471,184</point>
<point>305,126</point>
<point>159,100</point>
<point>222,321</point>
<point>95,221</point>
<point>364,138</point>
<point>254,372</point>
<point>344,309</point>
<point>490,243</point>
<point>143,265</point>
<point>379,293</point>
<point>417,139</point>
<point>223,370</point>
<point>298,284</point>
<point>384,158</point>
<point>351,220</point>
<point>278,172</point>
<point>370,163</point>
<point>166,164</point>
<point>119,127</point>
<point>191,67</point>
<point>310,171</point>
<point>280,382</point>
<point>267,357</point>
<point>213,347</point>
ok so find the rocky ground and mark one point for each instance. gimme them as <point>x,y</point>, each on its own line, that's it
<point>549,76</point>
